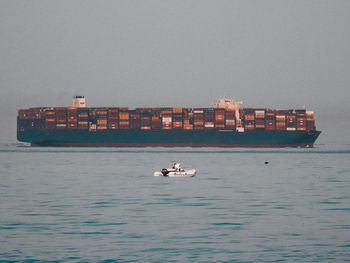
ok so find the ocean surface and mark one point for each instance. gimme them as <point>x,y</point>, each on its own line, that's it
<point>105,205</point>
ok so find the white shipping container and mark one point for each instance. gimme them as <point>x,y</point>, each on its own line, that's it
<point>260,113</point>
<point>166,119</point>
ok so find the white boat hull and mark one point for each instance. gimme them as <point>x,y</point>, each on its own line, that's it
<point>189,173</point>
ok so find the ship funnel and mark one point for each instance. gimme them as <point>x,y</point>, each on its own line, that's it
<point>79,102</point>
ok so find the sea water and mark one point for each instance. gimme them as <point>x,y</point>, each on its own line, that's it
<point>104,204</point>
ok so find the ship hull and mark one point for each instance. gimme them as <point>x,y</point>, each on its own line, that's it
<point>168,138</point>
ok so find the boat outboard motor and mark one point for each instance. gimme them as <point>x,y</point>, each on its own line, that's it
<point>165,172</point>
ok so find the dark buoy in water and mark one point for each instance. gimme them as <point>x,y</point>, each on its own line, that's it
<point>266,162</point>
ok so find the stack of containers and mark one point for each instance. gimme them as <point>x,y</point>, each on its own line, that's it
<point>177,118</point>
<point>72,116</point>
<point>198,117</point>
<point>91,120</point>
<point>249,119</point>
<point>281,120</point>
<point>310,121</point>
<point>230,122</point>
<point>101,119</point>
<point>156,123</point>
<point>50,119</point>
<point>36,118</point>
<point>113,118</point>
<point>291,121</point>
<point>83,118</point>
<point>270,120</point>
<point>27,123</point>
<point>146,120</point>
<point>301,120</point>
<point>22,114</point>
<point>188,119</point>
<point>31,119</point>
<point>61,118</point>
<point>135,122</point>
<point>124,118</point>
<point>166,115</point>
<point>260,119</point>
<point>21,120</point>
<point>33,113</point>
<point>209,118</point>
<point>220,118</point>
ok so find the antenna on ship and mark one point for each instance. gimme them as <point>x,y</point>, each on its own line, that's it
<point>79,101</point>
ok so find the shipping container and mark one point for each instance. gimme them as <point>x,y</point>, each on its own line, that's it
<point>260,114</point>
<point>281,126</point>
<point>230,123</point>
<point>249,126</point>
<point>280,117</point>
<point>209,125</point>
<point>310,115</point>
<point>198,111</point>
<point>177,110</point>
<point>102,122</point>
<point>113,124</point>
<point>123,124</point>
<point>113,114</point>
<point>123,115</point>
<point>198,127</point>
<point>249,117</point>
<point>230,115</point>
<point>145,121</point>
<point>219,125</point>
<point>291,121</point>
<point>83,123</point>
<point>301,124</point>
<point>188,126</point>
<point>270,124</point>
<point>166,113</point>
<point>135,124</point>
<point>166,126</point>
<point>177,124</point>
<point>260,123</point>
<point>270,114</point>
<point>310,125</point>
<point>61,125</point>
<point>50,125</point>
<point>220,116</point>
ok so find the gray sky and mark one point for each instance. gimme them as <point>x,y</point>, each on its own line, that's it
<point>279,54</point>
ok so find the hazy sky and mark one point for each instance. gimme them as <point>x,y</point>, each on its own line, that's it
<point>280,54</point>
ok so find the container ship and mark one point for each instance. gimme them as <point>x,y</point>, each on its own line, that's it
<point>225,124</point>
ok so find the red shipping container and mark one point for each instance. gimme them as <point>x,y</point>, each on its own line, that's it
<point>270,125</point>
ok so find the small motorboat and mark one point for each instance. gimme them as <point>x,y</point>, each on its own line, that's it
<point>176,171</point>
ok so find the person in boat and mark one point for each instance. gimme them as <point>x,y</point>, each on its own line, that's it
<point>178,167</point>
